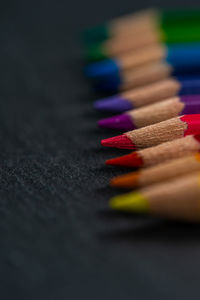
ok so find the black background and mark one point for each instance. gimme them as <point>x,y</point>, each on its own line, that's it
<point>58,240</point>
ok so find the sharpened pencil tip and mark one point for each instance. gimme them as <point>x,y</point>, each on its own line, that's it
<point>120,141</point>
<point>128,181</point>
<point>131,202</point>
<point>102,69</point>
<point>120,122</point>
<point>96,34</point>
<point>132,160</point>
<point>113,104</point>
<point>95,53</point>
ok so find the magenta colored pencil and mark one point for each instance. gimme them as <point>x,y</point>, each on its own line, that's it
<point>156,134</point>
<point>153,113</point>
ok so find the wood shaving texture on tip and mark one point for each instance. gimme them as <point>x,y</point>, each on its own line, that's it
<point>153,93</point>
<point>145,75</point>
<point>178,198</point>
<point>118,46</point>
<point>140,57</point>
<point>134,22</point>
<point>157,112</point>
<point>166,151</point>
<point>157,133</point>
<point>169,169</point>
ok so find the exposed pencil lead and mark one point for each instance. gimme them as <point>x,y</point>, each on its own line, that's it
<point>113,104</point>
<point>102,68</point>
<point>132,160</point>
<point>129,180</point>
<point>120,141</point>
<point>130,202</point>
<point>120,122</point>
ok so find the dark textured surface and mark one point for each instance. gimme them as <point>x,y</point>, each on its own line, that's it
<point>58,240</point>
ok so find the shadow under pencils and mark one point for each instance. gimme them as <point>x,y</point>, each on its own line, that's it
<point>150,229</point>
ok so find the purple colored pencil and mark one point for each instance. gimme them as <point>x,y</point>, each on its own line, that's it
<point>161,90</point>
<point>153,113</point>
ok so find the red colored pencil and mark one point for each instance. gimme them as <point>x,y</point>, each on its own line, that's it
<point>159,173</point>
<point>158,154</point>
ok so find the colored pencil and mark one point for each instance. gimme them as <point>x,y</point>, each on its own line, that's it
<point>139,77</point>
<point>140,22</point>
<point>149,94</point>
<point>154,113</point>
<point>158,154</point>
<point>158,173</point>
<point>177,199</point>
<point>180,56</point>
<point>121,26</point>
<point>157,36</point>
<point>156,134</point>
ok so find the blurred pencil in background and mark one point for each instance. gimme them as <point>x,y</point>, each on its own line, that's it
<point>181,33</point>
<point>138,77</point>
<point>149,94</point>
<point>182,57</point>
<point>158,154</point>
<point>175,199</point>
<point>158,173</point>
<point>140,22</point>
<point>152,60</point>
<point>153,113</point>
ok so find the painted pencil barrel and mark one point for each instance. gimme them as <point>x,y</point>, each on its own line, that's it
<point>173,16</point>
<point>189,85</point>
<point>181,34</point>
<point>176,199</point>
<point>183,56</point>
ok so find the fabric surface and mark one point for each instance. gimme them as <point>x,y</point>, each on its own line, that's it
<point>58,239</point>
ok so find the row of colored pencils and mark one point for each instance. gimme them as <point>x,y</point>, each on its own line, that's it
<point>151,62</point>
